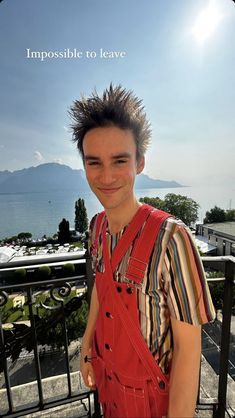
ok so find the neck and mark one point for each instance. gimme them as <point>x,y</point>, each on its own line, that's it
<point>117,218</point>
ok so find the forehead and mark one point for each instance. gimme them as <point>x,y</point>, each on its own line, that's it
<point>109,141</point>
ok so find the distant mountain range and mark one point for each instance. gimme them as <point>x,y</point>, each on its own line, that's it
<point>54,176</point>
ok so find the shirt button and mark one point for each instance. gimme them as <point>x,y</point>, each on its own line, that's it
<point>107,346</point>
<point>108,314</point>
<point>109,377</point>
<point>119,289</point>
<point>129,290</point>
<point>161,384</point>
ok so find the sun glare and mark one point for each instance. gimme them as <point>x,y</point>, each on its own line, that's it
<point>206,23</point>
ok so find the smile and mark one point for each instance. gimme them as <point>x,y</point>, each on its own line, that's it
<point>109,191</point>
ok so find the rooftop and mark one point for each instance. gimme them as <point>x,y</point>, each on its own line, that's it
<point>224,227</point>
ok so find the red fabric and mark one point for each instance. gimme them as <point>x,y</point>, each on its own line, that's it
<point>126,388</point>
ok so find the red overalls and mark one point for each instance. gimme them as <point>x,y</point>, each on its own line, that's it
<point>129,381</point>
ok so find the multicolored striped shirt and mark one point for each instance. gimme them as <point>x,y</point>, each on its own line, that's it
<point>174,285</point>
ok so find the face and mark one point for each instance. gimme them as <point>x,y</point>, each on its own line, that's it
<point>111,165</point>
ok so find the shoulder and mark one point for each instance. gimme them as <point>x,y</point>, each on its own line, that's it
<point>175,234</point>
<point>95,224</point>
<point>174,226</point>
<point>170,225</point>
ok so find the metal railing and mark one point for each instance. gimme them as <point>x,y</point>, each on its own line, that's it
<point>59,299</point>
<point>60,305</point>
<point>225,264</point>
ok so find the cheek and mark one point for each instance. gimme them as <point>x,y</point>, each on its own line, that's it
<point>89,173</point>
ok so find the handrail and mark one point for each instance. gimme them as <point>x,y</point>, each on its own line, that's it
<point>225,264</point>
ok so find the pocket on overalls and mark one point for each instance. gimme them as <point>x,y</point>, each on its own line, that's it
<point>100,373</point>
<point>130,397</point>
<point>158,399</point>
<point>100,377</point>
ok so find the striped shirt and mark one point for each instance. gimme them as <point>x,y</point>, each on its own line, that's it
<point>174,285</point>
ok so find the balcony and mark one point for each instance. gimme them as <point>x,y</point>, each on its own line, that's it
<point>38,379</point>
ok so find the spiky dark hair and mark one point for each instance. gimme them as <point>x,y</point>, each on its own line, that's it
<point>115,107</point>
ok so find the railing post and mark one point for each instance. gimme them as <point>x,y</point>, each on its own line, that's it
<point>225,338</point>
<point>35,347</point>
<point>89,272</point>
<point>97,409</point>
<point>5,368</point>
<point>90,283</point>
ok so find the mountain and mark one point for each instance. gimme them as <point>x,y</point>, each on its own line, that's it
<point>54,176</point>
<point>145,182</point>
<point>4,175</point>
<point>44,177</point>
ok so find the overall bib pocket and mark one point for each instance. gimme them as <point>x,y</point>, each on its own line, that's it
<point>130,397</point>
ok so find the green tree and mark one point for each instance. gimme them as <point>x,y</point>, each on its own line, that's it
<point>81,220</point>
<point>216,214</point>
<point>64,234</point>
<point>181,207</point>
<point>230,215</point>
<point>156,202</point>
<point>24,235</point>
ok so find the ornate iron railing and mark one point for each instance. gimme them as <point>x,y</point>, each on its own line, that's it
<point>225,264</point>
<point>46,307</point>
<point>60,300</point>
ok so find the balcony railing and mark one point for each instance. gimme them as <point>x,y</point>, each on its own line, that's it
<point>60,298</point>
<point>225,264</point>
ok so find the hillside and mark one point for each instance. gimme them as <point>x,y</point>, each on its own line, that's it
<point>54,176</point>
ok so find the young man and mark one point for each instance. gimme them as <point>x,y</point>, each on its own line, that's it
<point>142,344</point>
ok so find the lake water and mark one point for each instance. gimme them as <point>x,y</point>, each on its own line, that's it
<point>41,213</point>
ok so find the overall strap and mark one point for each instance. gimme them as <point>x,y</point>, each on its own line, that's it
<point>99,220</point>
<point>133,331</point>
<point>129,235</point>
<point>139,258</point>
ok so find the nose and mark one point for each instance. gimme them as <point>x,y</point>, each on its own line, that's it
<point>107,176</point>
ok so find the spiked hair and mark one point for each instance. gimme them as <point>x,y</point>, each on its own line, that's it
<point>115,107</point>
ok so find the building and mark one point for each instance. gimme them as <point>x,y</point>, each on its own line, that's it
<point>220,236</point>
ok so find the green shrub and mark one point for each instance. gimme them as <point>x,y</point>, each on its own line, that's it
<point>20,273</point>
<point>68,269</point>
<point>43,272</point>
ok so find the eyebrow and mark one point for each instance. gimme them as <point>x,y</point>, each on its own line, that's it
<point>114,157</point>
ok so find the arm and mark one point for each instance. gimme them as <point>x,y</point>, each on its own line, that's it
<point>185,369</point>
<point>86,368</point>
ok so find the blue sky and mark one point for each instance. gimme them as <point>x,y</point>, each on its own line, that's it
<point>182,68</point>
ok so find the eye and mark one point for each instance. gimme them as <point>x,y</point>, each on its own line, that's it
<point>93,163</point>
<point>120,161</point>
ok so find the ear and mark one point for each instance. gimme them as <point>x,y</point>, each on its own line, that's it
<point>140,165</point>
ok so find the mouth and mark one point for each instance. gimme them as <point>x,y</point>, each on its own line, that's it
<point>109,191</point>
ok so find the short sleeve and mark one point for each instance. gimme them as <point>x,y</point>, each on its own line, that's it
<point>188,295</point>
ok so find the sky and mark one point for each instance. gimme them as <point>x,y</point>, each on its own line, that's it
<point>178,56</point>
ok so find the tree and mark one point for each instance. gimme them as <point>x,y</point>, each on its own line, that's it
<point>63,235</point>
<point>230,215</point>
<point>24,235</point>
<point>156,202</point>
<point>81,220</point>
<point>216,214</point>
<point>181,207</point>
